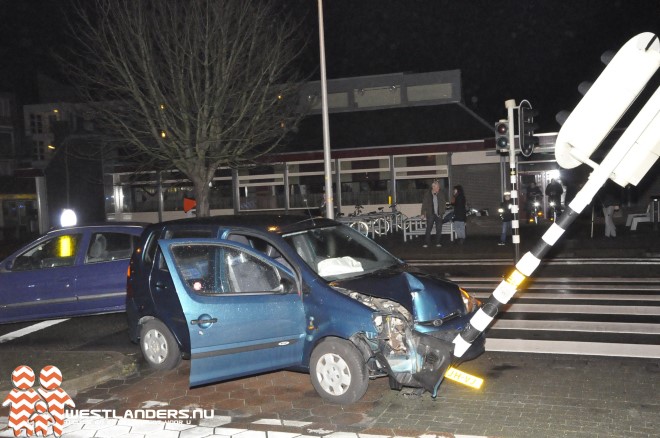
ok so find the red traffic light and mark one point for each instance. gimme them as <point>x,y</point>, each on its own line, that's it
<point>502,136</point>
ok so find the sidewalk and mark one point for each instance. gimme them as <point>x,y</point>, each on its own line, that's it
<point>483,234</point>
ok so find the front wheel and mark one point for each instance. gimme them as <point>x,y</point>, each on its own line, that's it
<point>338,371</point>
<point>158,346</point>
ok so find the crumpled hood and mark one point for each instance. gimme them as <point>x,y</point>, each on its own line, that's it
<point>426,297</point>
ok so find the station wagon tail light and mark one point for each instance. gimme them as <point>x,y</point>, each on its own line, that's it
<point>470,302</point>
<point>129,287</point>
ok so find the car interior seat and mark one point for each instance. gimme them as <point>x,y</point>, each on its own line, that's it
<point>247,274</point>
<point>97,251</point>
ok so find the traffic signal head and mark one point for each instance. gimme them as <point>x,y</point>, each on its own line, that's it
<point>502,136</point>
<point>527,127</point>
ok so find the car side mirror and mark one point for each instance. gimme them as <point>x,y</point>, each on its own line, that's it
<point>8,265</point>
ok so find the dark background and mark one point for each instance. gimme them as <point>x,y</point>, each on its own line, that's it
<point>538,50</point>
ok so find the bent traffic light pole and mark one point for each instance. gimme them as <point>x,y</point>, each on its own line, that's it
<point>627,162</point>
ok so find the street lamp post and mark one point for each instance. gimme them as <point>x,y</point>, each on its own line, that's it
<point>327,168</point>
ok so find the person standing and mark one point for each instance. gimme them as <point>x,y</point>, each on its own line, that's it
<point>610,205</point>
<point>553,191</point>
<point>458,201</point>
<point>507,217</point>
<point>433,207</point>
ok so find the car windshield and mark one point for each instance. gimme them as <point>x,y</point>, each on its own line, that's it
<point>339,252</point>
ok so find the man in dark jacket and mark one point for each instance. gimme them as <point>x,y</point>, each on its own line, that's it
<point>460,213</point>
<point>553,191</point>
<point>433,207</point>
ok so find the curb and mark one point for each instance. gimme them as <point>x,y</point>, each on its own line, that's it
<point>80,369</point>
<point>117,365</point>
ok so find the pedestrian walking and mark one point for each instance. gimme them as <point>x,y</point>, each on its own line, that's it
<point>610,205</point>
<point>433,208</point>
<point>459,203</point>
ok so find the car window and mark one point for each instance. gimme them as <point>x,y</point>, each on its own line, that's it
<point>105,247</point>
<point>260,245</point>
<point>150,249</point>
<point>182,233</point>
<point>52,253</point>
<point>249,274</point>
<point>339,252</point>
<point>213,269</point>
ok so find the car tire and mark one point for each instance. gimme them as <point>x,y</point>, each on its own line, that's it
<point>159,348</point>
<point>338,371</point>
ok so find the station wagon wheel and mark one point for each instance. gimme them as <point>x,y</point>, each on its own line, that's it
<point>158,346</point>
<point>338,371</point>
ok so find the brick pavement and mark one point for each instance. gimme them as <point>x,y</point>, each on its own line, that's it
<point>524,395</point>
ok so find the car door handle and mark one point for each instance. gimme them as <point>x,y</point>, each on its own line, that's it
<point>204,321</point>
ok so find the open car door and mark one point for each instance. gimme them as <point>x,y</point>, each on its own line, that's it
<point>243,310</point>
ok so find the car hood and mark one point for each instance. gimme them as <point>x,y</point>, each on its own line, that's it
<point>426,297</point>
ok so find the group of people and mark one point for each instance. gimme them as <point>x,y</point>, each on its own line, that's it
<point>433,208</point>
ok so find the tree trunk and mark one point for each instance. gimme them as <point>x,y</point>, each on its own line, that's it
<point>202,190</point>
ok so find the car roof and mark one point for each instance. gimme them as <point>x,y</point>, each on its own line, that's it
<point>280,223</point>
<point>104,225</point>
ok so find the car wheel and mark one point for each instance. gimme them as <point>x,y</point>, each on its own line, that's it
<point>158,346</point>
<point>338,371</point>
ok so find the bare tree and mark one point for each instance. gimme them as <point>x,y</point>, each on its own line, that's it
<point>194,84</point>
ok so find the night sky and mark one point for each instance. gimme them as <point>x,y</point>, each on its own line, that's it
<point>538,50</point>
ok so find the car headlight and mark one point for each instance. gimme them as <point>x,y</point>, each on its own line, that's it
<point>470,302</point>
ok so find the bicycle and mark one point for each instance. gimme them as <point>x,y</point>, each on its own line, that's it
<point>359,225</point>
<point>379,224</point>
<point>399,220</point>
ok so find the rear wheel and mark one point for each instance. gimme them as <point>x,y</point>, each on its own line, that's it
<point>158,346</point>
<point>338,371</point>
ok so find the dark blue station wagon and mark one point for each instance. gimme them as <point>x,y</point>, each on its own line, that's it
<point>68,272</point>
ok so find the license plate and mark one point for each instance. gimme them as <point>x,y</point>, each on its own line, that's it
<point>464,378</point>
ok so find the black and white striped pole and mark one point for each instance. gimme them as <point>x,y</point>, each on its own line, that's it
<point>513,179</point>
<point>628,161</point>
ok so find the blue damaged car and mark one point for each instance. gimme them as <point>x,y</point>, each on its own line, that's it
<point>240,295</point>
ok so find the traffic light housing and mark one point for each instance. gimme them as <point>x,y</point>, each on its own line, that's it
<point>527,127</point>
<point>502,136</point>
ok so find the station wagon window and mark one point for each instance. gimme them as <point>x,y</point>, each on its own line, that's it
<point>55,252</point>
<point>106,247</point>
